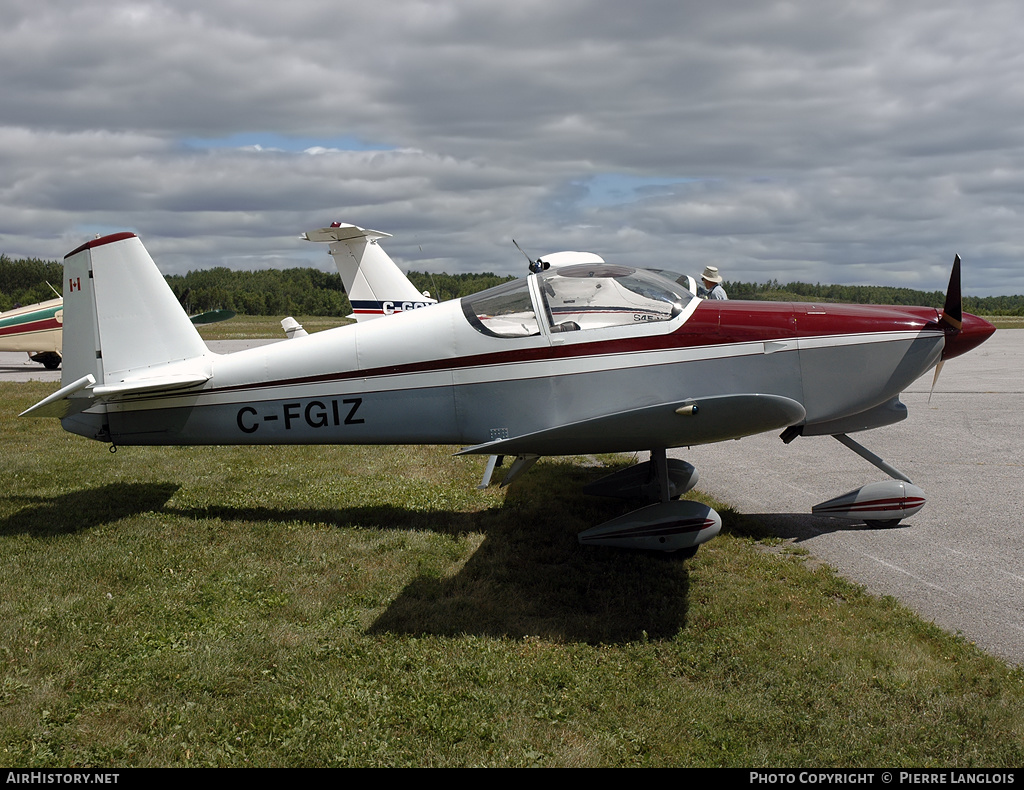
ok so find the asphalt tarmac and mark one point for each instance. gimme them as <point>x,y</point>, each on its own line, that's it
<point>959,562</point>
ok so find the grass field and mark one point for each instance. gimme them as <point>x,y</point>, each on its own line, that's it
<point>1006,321</point>
<point>331,606</point>
<point>247,326</point>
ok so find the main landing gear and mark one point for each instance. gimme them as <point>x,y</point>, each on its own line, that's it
<point>48,359</point>
<point>669,524</point>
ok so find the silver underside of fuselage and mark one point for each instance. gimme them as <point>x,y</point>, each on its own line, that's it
<point>828,377</point>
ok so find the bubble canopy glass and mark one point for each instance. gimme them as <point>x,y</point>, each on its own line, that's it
<point>574,298</point>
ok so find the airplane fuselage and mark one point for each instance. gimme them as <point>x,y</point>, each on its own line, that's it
<point>431,376</point>
<point>33,328</point>
<point>589,357</point>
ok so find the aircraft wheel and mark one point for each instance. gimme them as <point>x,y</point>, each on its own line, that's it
<point>892,522</point>
<point>48,359</point>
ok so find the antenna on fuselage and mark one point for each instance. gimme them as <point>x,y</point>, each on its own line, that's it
<point>536,266</point>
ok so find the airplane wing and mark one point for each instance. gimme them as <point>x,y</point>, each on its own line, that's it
<point>673,424</point>
<point>212,316</point>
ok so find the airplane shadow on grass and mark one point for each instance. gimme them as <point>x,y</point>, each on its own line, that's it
<point>78,511</point>
<point>529,577</point>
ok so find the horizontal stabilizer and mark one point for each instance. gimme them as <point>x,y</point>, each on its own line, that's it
<point>86,393</point>
<point>673,424</point>
<point>169,383</point>
<point>375,285</point>
<point>343,232</point>
<point>293,328</point>
<point>212,316</point>
<point>60,403</point>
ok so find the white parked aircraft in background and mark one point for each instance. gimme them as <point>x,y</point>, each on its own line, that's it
<point>36,329</point>
<point>375,285</point>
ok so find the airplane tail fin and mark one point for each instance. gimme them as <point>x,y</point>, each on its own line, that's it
<point>374,283</point>
<point>124,331</point>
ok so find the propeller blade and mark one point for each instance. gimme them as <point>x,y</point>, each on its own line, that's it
<point>952,311</point>
<point>935,378</point>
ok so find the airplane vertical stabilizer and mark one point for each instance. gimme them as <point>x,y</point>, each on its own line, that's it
<point>121,319</point>
<point>375,285</point>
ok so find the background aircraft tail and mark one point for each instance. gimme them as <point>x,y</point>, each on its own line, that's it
<point>374,283</point>
<point>124,331</point>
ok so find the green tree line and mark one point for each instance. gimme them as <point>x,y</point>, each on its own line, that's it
<point>25,281</point>
<point>775,291</point>
<point>264,292</point>
<point>311,292</point>
<point>300,291</point>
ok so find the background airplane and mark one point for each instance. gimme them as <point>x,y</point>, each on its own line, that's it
<point>38,330</point>
<point>583,358</point>
<point>375,285</point>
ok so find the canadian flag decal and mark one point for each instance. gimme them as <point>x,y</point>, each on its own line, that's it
<point>74,284</point>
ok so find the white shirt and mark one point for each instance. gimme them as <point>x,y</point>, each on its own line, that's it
<point>717,292</point>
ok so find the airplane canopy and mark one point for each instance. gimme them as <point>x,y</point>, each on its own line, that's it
<point>576,297</point>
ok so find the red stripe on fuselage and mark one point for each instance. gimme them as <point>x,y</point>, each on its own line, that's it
<point>44,325</point>
<point>712,324</point>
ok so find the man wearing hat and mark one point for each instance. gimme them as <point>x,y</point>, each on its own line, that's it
<point>713,283</point>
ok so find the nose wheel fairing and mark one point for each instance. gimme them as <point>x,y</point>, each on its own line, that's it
<point>882,504</point>
<point>877,504</point>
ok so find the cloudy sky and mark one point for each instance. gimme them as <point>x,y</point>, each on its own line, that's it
<point>859,142</point>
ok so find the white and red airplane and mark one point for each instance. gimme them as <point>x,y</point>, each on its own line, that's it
<point>375,286</point>
<point>35,329</point>
<point>38,329</point>
<point>588,357</point>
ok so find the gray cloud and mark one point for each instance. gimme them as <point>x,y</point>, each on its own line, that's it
<point>853,142</point>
